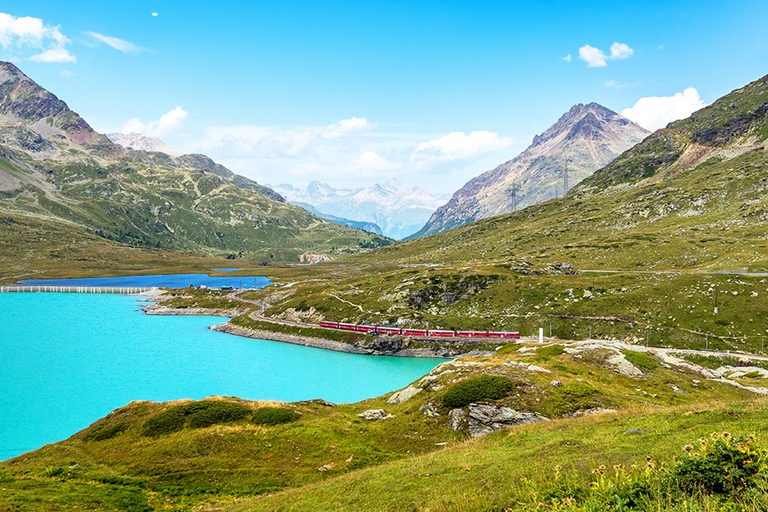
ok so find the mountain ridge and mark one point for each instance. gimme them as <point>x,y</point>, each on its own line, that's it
<point>54,165</point>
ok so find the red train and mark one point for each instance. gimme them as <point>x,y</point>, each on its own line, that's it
<point>437,333</point>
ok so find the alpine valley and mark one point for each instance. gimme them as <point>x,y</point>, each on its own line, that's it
<point>599,300</point>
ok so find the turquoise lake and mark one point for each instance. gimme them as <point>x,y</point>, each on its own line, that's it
<point>66,360</point>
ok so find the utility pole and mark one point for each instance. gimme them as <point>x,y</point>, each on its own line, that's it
<point>715,300</point>
<point>550,328</point>
<point>512,192</point>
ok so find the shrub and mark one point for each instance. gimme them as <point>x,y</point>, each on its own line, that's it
<point>550,351</point>
<point>165,422</point>
<point>195,415</point>
<point>486,387</point>
<point>725,464</point>
<point>640,360</point>
<point>274,415</point>
<point>104,432</point>
<point>215,413</point>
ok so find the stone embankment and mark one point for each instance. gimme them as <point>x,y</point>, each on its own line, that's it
<point>380,347</point>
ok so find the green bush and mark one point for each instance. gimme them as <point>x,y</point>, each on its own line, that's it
<point>194,415</point>
<point>640,360</point>
<point>550,351</point>
<point>725,464</point>
<point>215,413</point>
<point>166,422</point>
<point>104,432</point>
<point>486,387</point>
<point>274,415</point>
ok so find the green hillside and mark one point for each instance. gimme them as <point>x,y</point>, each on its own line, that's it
<point>55,167</point>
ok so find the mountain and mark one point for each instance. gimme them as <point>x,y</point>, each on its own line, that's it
<point>141,142</point>
<point>399,210</point>
<point>54,166</point>
<point>583,140</point>
<point>691,195</point>
<point>365,226</point>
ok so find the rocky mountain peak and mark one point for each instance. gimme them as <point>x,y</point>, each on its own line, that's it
<point>574,122</point>
<point>584,139</point>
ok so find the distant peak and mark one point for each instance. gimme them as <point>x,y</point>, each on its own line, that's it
<point>580,118</point>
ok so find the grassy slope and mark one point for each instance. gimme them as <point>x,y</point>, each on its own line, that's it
<point>227,462</point>
<point>33,248</point>
<point>505,470</point>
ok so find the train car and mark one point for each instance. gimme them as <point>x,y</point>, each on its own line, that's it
<point>329,325</point>
<point>365,328</point>
<point>472,334</point>
<point>414,332</point>
<point>388,330</point>
<point>503,334</point>
<point>441,333</point>
<point>347,327</point>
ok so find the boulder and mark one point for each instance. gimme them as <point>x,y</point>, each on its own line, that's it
<point>403,395</point>
<point>485,418</point>
<point>429,410</point>
<point>374,415</point>
<point>456,419</point>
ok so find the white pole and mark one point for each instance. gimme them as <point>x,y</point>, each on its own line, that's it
<point>541,335</point>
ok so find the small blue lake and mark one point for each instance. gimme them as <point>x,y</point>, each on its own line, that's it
<point>66,360</point>
<point>169,281</point>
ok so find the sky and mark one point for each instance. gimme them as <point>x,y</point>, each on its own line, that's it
<point>351,93</point>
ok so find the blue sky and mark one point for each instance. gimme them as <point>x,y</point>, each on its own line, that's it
<point>432,93</point>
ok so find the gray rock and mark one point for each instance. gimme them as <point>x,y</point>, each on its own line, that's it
<point>403,395</point>
<point>375,414</point>
<point>484,418</point>
<point>456,419</point>
<point>556,383</point>
<point>633,431</point>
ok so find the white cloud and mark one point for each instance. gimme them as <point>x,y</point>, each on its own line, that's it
<point>567,58</point>
<point>597,58</point>
<point>21,34</point>
<point>168,122</point>
<point>458,145</point>
<point>118,44</point>
<point>349,151</point>
<point>594,57</point>
<point>621,51</point>
<point>370,161</point>
<point>346,126</point>
<point>154,14</point>
<point>654,112</point>
<point>54,55</point>
<point>67,73</point>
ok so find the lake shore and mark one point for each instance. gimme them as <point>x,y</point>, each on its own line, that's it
<point>382,346</point>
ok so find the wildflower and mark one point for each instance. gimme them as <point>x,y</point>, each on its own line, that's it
<point>726,434</point>
<point>688,448</point>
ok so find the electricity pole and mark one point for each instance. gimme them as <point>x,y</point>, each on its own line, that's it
<point>512,192</point>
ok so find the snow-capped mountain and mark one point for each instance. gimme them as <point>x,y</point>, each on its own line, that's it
<point>400,211</point>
